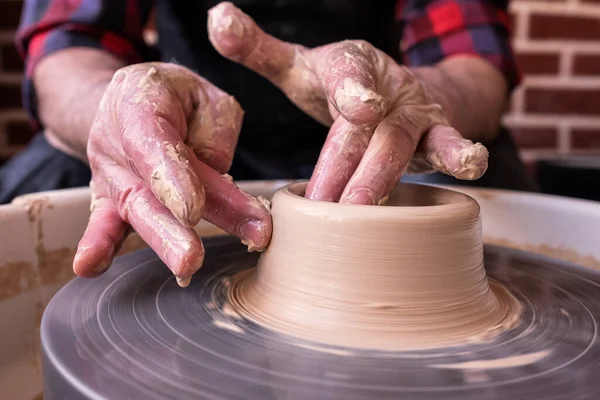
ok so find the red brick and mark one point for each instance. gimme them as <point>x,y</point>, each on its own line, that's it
<point>562,101</point>
<point>10,96</point>
<point>18,133</point>
<point>585,138</point>
<point>539,63</point>
<point>586,64</point>
<point>510,107</point>
<point>564,27</point>
<point>535,138</point>
<point>11,61</point>
<point>11,14</point>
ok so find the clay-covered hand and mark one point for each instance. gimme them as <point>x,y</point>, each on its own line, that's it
<point>159,148</point>
<point>380,114</point>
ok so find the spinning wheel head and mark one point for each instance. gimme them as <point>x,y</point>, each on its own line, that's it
<point>134,333</point>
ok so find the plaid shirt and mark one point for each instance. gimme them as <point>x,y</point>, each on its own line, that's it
<point>432,31</point>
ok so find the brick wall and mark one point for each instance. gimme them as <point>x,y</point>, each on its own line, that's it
<point>556,109</point>
<point>14,127</point>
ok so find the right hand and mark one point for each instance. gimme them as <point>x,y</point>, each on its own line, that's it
<point>161,141</point>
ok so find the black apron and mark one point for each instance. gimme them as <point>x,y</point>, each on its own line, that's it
<point>277,139</point>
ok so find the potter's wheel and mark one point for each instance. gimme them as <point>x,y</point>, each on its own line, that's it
<point>133,333</point>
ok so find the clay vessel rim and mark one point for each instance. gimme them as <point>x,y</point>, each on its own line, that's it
<point>454,201</point>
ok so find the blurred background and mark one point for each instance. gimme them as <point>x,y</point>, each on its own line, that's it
<point>554,115</point>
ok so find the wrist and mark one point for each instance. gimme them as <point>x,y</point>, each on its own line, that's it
<point>77,151</point>
<point>69,85</point>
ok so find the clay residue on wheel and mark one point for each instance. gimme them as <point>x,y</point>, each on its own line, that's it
<point>520,360</point>
<point>405,276</point>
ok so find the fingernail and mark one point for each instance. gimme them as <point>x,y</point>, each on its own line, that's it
<point>183,282</point>
<point>252,234</point>
<point>79,253</point>
<point>360,197</point>
<point>102,266</point>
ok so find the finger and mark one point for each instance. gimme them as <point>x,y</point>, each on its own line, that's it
<point>215,121</point>
<point>215,116</point>
<point>333,111</point>
<point>234,210</point>
<point>339,158</point>
<point>101,240</point>
<point>237,37</point>
<point>349,73</point>
<point>177,246</point>
<point>214,128</point>
<point>152,122</point>
<point>288,66</point>
<point>450,153</point>
<point>387,157</point>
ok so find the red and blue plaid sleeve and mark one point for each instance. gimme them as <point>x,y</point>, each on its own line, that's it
<point>436,29</point>
<point>115,26</point>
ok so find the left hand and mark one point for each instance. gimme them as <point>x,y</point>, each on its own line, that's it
<point>383,121</point>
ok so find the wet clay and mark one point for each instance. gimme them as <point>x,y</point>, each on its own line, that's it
<point>407,275</point>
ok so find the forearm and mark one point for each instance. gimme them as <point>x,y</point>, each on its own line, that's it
<point>472,93</point>
<point>69,85</point>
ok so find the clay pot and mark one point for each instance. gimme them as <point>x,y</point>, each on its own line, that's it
<point>406,275</point>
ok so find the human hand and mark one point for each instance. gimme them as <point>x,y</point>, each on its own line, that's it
<point>383,121</point>
<point>161,141</point>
